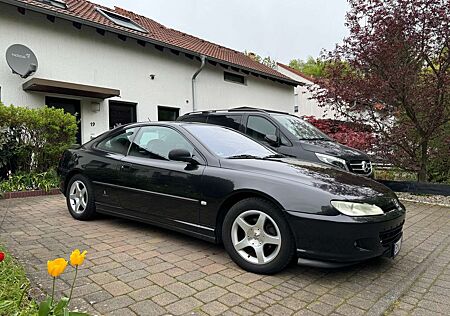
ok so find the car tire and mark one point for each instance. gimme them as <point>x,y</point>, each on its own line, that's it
<point>80,198</point>
<point>257,237</point>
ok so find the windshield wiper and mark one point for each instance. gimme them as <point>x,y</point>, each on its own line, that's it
<point>316,138</point>
<point>274,156</point>
<point>244,156</point>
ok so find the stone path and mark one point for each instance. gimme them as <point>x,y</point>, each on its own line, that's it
<point>137,269</point>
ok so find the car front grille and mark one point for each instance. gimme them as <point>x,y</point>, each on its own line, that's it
<point>392,235</point>
<point>361,167</point>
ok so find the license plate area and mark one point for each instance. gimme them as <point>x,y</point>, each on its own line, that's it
<point>396,247</point>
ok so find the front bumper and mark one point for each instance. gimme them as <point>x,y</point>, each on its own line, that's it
<point>340,240</point>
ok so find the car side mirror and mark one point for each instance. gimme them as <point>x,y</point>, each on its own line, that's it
<point>182,155</point>
<point>272,140</point>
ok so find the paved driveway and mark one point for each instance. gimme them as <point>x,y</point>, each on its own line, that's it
<point>140,269</point>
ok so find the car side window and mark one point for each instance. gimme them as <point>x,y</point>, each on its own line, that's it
<point>258,128</point>
<point>156,142</point>
<point>118,144</point>
<point>231,121</point>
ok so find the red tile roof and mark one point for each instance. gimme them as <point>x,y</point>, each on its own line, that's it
<point>85,11</point>
<point>297,72</point>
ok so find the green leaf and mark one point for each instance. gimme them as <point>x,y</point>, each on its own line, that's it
<point>5,304</point>
<point>44,308</point>
<point>61,305</point>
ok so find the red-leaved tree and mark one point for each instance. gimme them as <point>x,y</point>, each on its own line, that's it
<point>348,133</point>
<point>393,72</point>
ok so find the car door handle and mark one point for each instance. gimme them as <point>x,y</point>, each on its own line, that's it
<point>125,167</point>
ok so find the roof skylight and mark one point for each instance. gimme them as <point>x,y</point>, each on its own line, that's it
<point>56,3</point>
<point>121,20</point>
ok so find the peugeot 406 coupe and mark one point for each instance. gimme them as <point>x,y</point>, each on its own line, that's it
<point>217,184</point>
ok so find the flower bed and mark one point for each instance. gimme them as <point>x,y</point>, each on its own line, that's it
<point>23,194</point>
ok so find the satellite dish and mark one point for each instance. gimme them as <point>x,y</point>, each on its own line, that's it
<point>21,60</point>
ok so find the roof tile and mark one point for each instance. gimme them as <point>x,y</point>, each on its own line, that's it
<point>86,10</point>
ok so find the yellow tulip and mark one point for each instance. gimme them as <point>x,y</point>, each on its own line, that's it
<point>77,258</point>
<point>56,267</point>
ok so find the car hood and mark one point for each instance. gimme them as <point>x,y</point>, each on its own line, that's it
<point>333,148</point>
<point>334,181</point>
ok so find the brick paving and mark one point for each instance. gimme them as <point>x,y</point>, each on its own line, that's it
<point>138,269</point>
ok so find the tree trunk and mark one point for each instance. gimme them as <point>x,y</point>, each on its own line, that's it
<point>422,174</point>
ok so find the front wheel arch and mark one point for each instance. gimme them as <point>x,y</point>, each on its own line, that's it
<point>69,177</point>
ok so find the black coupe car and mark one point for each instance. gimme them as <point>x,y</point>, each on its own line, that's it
<point>218,184</point>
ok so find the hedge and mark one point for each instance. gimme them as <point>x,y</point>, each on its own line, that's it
<point>32,140</point>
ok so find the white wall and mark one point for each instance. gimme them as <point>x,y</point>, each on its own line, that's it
<point>82,56</point>
<point>307,106</point>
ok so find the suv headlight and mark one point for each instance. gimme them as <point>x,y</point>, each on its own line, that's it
<point>331,160</point>
<point>357,209</point>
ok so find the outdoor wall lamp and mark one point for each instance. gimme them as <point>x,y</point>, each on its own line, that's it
<point>95,106</point>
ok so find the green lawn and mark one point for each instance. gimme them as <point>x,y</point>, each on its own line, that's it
<point>12,282</point>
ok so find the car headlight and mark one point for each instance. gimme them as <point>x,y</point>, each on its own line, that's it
<point>331,160</point>
<point>357,209</point>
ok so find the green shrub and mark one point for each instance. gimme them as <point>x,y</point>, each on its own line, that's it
<point>394,174</point>
<point>32,140</point>
<point>22,181</point>
<point>14,288</point>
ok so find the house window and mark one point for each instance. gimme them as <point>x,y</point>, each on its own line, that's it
<point>121,113</point>
<point>296,109</point>
<point>235,78</point>
<point>167,113</point>
<point>122,20</point>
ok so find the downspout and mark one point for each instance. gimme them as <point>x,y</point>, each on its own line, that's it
<point>203,59</point>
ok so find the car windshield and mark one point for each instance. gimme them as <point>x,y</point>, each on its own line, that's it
<point>227,143</point>
<point>300,128</point>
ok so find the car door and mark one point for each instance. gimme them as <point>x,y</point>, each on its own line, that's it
<point>104,167</point>
<point>258,127</point>
<point>159,189</point>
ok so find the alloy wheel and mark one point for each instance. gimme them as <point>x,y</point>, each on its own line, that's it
<point>78,197</point>
<point>256,237</point>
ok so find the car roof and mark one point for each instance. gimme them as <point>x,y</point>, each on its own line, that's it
<point>243,109</point>
<point>150,123</point>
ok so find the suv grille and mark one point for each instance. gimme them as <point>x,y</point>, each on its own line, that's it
<point>389,236</point>
<point>361,166</point>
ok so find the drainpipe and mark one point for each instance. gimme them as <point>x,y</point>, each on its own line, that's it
<point>203,59</point>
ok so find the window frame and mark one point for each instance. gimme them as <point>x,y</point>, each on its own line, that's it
<point>229,73</point>
<point>132,105</point>
<point>277,129</point>
<point>196,152</point>
<point>173,108</point>
<point>61,4</point>
<point>108,137</point>
<point>279,133</point>
<point>241,116</point>
<point>130,24</point>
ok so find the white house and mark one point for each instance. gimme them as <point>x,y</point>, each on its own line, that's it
<point>112,66</point>
<point>305,104</point>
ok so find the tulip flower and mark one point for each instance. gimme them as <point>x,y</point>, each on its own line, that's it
<point>2,256</point>
<point>77,257</point>
<point>56,267</point>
